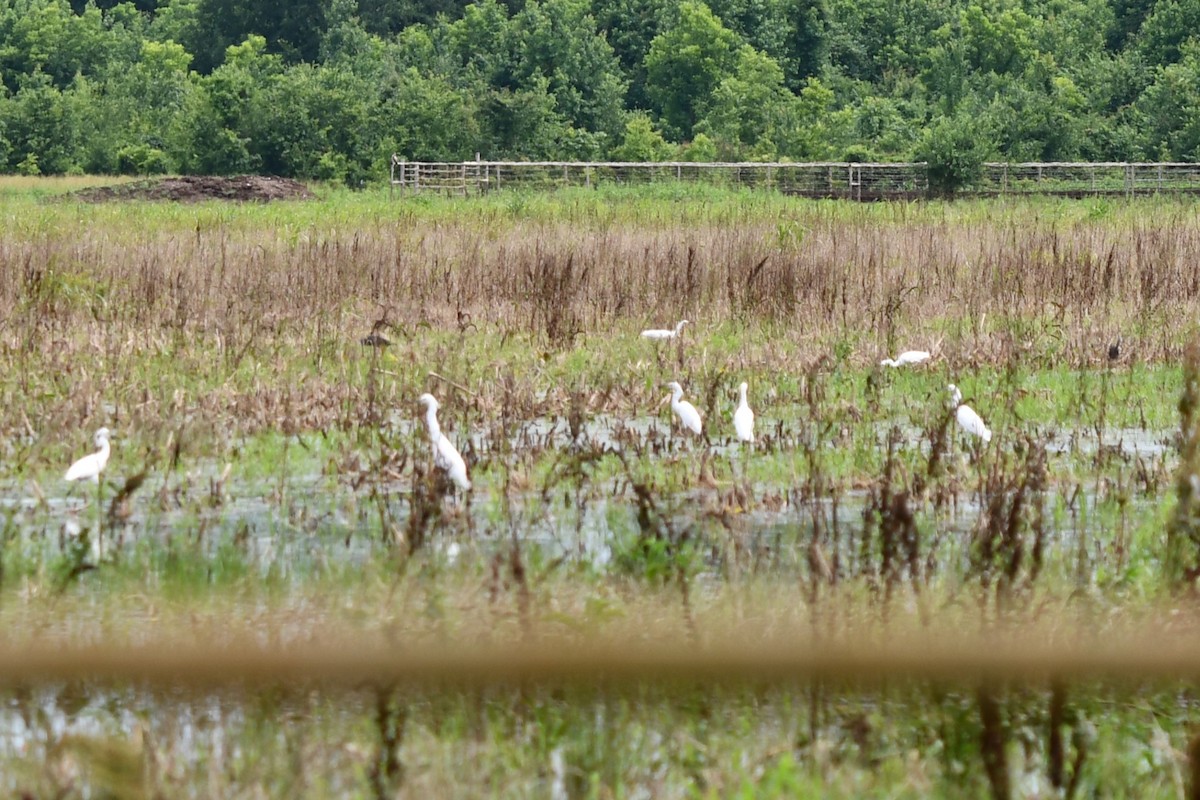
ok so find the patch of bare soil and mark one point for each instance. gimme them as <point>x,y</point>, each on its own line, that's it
<point>194,188</point>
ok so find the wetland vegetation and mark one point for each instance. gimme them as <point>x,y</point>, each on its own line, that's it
<point>271,489</point>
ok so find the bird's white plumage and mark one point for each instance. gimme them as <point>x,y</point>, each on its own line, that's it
<point>907,357</point>
<point>968,420</point>
<point>90,466</point>
<point>743,418</point>
<point>445,455</point>
<point>689,417</point>
<point>663,333</point>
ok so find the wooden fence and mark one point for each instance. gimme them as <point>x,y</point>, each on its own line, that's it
<point>845,180</point>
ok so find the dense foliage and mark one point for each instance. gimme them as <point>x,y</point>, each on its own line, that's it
<point>330,88</point>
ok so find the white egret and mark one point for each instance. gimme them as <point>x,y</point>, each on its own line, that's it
<point>90,466</point>
<point>743,418</point>
<point>659,333</point>
<point>689,417</point>
<point>907,357</point>
<point>445,455</point>
<point>968,420</point>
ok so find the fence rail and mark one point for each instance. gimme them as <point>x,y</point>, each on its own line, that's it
<point>846,180</point>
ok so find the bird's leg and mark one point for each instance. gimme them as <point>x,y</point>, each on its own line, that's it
<point>99,519</point>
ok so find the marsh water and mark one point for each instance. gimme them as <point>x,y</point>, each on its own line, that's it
<point>339,507</point>
<point>305,518</point>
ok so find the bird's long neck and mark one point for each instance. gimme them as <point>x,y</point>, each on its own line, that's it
<point>103,449</point>
<point>431,423</point>
<point>742,392</point>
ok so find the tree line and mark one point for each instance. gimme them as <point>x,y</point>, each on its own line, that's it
<point>329,89</point>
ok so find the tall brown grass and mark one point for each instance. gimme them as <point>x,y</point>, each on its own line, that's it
<point>887,284</point>
<point>86,305</point>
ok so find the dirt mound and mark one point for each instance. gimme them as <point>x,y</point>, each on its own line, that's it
<point>193,188</point>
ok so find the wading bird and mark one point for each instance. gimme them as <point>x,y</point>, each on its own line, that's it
<point>375,338</point>
<point>90,466</point>
<point>445,455</point>
<point>659,333</point>
<point>1114,350</point>
<point>907,357</point>
<point>968,420</point>
<point>689,417</point>
<point>743,418</point>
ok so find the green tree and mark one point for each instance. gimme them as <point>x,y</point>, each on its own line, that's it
<point>46,37</point>
<point>686,63</point>
<point>806,48</point>
<point>641,141</point>
<point>522,123</point>
<point>1035,118</point>
<point>747,106</point>
<point>389,17</point>
<point>884,127</point>
<point>1169,25</point>
<point>133,113</point>
<point>219,123</point>
<point>347,43</point>
<point>811,129</point>
<point>701,149</point>
<point>292,30</point>
<point>558,40</point>
<point>1169,109</point>
<point>881,40</point>
<point>482,42</point>
<point>630,26</point>
<point>1002,43</point>
<point>42,132</point>
<point>1127,18</point>
<point>425,118</point>
<point>955,149</point>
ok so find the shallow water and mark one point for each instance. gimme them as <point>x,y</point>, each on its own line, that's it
<point>305,521</point>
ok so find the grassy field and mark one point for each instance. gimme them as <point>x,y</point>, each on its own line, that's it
<point>271,493</point>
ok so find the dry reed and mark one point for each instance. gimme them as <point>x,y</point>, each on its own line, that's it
<point>272,316</point>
